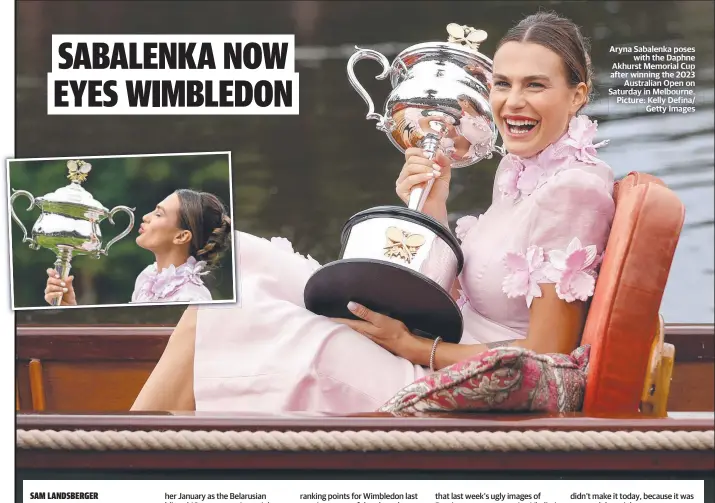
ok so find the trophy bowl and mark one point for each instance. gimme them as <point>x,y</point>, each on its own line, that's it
<point>399,261</point>
<point>68,224</point>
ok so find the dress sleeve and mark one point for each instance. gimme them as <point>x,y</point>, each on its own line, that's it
<point>569,226</point>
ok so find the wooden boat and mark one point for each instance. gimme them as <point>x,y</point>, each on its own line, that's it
<point>649,404</point>
<point>101,369</point>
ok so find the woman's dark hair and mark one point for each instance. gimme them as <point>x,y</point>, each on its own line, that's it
<point>205,216</point>
<point>560,35</point>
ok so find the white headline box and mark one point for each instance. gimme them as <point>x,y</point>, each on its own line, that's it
<point>217,43</point>
<point>274,93</point>
<point>173,75</point>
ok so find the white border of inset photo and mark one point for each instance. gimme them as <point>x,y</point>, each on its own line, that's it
<point>137,222</point>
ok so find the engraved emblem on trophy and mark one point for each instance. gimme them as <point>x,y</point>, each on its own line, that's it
<point>440,103</point>
<point>401,244</point>
<point>69,221</point>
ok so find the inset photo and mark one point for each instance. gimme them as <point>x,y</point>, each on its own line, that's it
<point>102,231</point>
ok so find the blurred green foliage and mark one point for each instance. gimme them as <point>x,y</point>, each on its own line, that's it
<point>137,182</point>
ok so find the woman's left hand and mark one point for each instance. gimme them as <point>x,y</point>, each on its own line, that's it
<point>388,332</point>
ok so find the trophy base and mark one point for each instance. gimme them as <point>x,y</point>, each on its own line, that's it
<point>390,289</point>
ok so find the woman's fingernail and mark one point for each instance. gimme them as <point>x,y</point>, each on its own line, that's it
<point>436,173</point>
<point>437,167</point>
<point>64,290</point>
<point>62,284</point>
<point>352,306</point>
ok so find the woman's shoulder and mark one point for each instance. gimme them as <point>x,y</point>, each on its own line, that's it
<point>191,292</point>
<point>578,186</point>
<point>147,272</point>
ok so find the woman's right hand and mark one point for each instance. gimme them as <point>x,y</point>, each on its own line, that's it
<point>417,171</point>
<point>55,287</point>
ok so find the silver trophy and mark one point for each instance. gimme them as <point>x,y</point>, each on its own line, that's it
<point>399,261</point>
<point>69,223</point>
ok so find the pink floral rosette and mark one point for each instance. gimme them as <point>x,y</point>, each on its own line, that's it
<point>522,176</point>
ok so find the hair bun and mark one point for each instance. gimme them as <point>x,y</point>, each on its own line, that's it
<point>205,216</point>
<point>217,243</point>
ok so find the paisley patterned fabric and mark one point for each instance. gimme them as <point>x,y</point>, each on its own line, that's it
<point>502,379</point>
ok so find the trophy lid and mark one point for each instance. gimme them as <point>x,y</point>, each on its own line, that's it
<point>465,36</point>
<point>74,193</point>
<point>462,41</point>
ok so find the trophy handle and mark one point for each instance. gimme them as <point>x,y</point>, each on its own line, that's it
<point>15,195</point>
<point>383,123</point>
<point>115,210</point>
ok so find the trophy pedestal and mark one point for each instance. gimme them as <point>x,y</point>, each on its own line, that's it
<point>397,262</point>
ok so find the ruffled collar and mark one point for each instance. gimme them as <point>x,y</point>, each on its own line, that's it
<point>522,176</point>
<point>165,283</point>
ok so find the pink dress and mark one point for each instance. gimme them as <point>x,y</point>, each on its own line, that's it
<point>549,223</point>
<point>172,284</point>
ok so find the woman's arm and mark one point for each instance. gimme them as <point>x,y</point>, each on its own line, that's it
<point>170,386</point>
<point>554,327</point>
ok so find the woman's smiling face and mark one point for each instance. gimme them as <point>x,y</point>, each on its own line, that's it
<point>531,98</point>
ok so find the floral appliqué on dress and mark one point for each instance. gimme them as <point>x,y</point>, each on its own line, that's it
<point>464,225</point>
<point>164,284</point>
<point>573,271</point>
<point>523,176</point>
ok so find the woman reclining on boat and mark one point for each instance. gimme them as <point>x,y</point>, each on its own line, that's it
<point>187,233</point>
<point>530,264</point>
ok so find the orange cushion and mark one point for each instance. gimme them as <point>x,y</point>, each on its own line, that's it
<point>623,317</point>
<point>631,180</point>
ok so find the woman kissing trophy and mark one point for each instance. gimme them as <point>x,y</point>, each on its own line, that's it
<point>399,261</point>
<point>69,222</point>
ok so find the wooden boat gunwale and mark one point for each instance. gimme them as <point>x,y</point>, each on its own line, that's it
<point>188,421</point>
<point>283,453</point>
<point>112,343</point>
<point>693,341</point>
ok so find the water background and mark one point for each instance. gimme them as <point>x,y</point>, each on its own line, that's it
<point>302,177</point>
